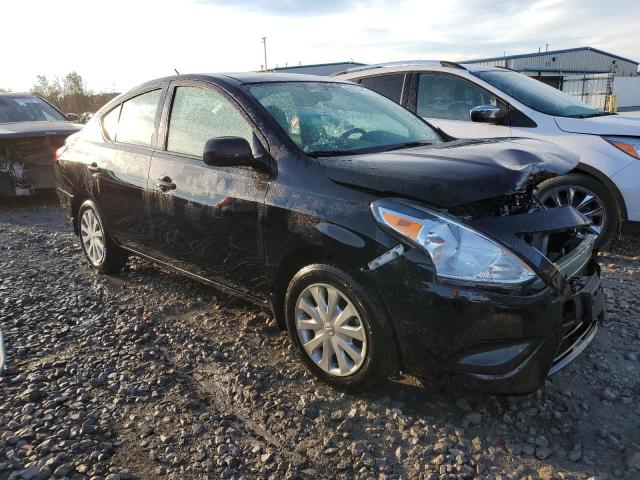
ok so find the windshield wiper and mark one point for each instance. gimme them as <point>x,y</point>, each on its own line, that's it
<point>591,115</point>
<point>331,153</point>
<point>407,145</point>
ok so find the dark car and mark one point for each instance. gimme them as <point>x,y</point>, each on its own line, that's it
<point>31,129</point>
<point>378,244</point>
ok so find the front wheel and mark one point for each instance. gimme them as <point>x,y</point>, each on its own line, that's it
<point>102,253</point>
<point>339,328</point>
<point>587,195</point>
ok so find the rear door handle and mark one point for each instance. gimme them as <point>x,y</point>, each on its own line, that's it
<point>165,184</point>
<point>94,169</point>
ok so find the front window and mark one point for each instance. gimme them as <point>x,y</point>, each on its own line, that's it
<point>198,115</point>
<point>14,109</point>
<point>448,97</point>
<point>341,119</point>
<point>537,95</point>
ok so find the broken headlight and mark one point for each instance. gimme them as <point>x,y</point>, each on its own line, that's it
<point>458,251</point>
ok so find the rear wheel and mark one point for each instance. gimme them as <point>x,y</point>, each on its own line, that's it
<point>589,197</point>
<point>339,328</point>
<point>102,253</point>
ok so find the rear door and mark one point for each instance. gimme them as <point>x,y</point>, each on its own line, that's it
<point>121,166</point>
<point>207,220</point>
<point>444,100</point>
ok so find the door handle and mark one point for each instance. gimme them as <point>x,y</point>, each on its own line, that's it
<point>165,184</point>
<point>94,169</point>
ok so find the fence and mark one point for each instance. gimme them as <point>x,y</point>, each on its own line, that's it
<point>593,88</point>
<point>627,89</point>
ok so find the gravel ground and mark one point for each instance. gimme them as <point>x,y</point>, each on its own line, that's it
<point>152,375</point>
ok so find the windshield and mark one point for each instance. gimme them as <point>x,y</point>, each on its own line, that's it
<point>535,94</point>
<point>341,119</point>
<point>27,109</point>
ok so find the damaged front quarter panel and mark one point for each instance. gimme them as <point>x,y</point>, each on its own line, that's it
<point>512,230</point>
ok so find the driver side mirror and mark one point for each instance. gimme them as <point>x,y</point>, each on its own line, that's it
<point>73,117</point>
<point>227,152</point>
<point>487,114</point>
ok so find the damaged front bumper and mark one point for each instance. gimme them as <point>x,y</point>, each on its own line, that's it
<point>505,341</point>
<point>521,366</point>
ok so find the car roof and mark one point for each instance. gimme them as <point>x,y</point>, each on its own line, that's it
<point>245,78</point>
<point>17,94</point>
<point>414,65</point>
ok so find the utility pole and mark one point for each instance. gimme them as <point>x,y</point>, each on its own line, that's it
<point>264,43</point>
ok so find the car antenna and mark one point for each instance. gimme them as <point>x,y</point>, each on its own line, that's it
<point>176,70</point>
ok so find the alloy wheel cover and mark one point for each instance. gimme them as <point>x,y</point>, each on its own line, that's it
<point>92,237</point>
<point>331,330</point>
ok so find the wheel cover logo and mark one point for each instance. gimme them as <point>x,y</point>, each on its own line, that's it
<point>329,329</point>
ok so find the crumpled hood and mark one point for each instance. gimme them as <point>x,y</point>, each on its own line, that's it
<point>606,125</point>
<point>31,129</point>
<point>453,173</point>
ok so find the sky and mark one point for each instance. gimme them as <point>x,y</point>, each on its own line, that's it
<point>117,44</point>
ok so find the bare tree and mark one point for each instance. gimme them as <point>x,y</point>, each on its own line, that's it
<point>70,94</point>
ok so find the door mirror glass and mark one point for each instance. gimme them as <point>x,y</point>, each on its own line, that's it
<point>227,152</point>
<point>486,114</point>
<point>73,117</point>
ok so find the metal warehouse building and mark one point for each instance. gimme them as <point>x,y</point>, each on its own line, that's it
<point>585,72</point>
<point>319,68</point>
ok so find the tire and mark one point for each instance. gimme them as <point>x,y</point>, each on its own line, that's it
<point>582,184</point>
<point>369,322</point>
<point>102,254</point>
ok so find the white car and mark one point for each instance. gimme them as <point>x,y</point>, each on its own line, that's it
<point>473,101</point>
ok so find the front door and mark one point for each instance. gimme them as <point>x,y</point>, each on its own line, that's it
<point>444,100</point>
<point>121,167</point>
<point>207,220</point>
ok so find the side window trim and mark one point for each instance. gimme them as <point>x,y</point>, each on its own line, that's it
<point>412,92</point>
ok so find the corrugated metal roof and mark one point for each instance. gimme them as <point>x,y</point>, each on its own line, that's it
<point>314,65</point>
<point>550,52</point>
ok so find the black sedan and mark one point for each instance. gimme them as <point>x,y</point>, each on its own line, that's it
<point>378,243</point>
<point>31,129</point>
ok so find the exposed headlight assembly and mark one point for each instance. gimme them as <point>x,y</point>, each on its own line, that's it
<point>458,251</point>
<point>629,145</point>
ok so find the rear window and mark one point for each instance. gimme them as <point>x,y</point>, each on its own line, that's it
<point>110,123</point>
<point>27,109</point>
<point>136,124</point>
